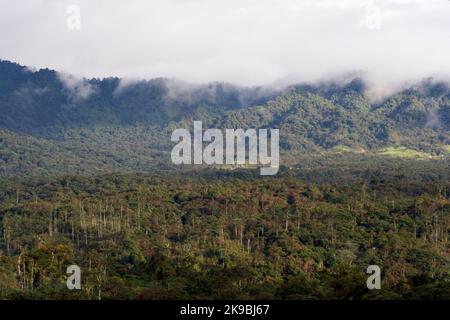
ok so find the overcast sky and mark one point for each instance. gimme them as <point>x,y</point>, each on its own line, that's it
<point>249,42</point>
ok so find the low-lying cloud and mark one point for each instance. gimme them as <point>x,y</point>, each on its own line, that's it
<point>247,42</point>
<point>78,88</point>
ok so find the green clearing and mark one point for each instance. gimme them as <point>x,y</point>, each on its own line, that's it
<point>403,152</point>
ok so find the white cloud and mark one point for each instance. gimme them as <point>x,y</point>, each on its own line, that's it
<point>123,84</point>
<point>242,41</point>
<point>79,89</point>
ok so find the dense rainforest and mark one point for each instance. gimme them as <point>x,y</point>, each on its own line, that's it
<point>225,235</point>
<point>86,179</point>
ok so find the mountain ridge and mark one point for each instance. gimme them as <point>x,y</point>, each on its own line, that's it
<point>93,122</point>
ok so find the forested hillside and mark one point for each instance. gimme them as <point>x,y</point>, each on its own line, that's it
<point>54,123</point>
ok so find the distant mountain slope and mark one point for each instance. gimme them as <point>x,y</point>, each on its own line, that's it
<point>55,123</point>
<point>346,118</point>
<point>31,100</point>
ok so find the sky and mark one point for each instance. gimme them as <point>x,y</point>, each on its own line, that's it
<point>246,42</point>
